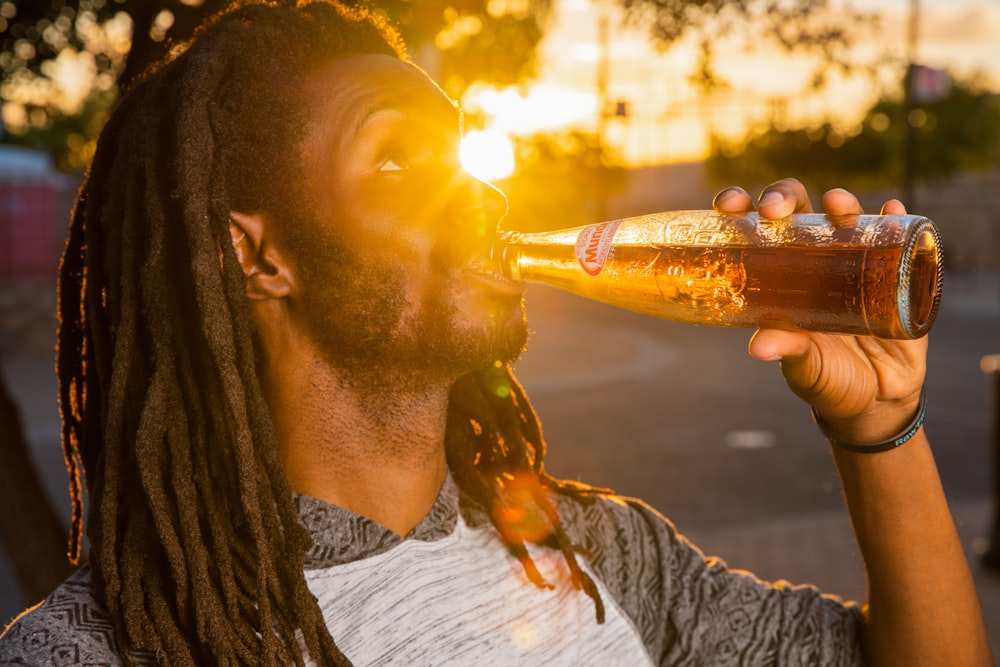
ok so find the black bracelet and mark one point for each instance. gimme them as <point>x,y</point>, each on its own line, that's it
<point>875,447</point>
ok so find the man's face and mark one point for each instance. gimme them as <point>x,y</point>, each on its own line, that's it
<point>394,262</point>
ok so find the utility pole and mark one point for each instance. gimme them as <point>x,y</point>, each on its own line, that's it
<point>603,71</point>
<point>909,107</point>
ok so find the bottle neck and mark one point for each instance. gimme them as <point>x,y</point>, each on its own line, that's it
<point>505,254</point>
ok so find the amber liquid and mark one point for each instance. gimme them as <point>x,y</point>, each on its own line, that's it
<point>846,289</point>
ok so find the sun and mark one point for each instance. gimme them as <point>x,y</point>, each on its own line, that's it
<point>487,154</point>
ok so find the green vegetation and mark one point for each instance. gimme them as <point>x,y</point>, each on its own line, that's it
<point>958,132</point>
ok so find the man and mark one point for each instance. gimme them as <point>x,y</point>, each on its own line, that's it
<point>284,364</point>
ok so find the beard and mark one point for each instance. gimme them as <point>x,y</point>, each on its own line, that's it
<point>357,311</point>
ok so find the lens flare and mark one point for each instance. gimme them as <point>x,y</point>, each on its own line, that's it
<point>487,154</point>
<point>518,512</point>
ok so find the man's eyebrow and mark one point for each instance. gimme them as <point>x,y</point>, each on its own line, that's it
<point>370,109</point>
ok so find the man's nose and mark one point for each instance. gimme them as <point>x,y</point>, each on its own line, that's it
<point>484,205</point>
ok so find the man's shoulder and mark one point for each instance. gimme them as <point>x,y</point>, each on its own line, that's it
<point>68,627</point>
<point>608,516</point>
<point>620,537</point>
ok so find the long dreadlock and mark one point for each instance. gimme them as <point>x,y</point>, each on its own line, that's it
<point>192,522</point>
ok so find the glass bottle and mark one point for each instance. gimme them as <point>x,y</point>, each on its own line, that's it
<point>864,274</point>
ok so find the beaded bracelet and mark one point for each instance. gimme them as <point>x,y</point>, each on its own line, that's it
<point>875,447</point>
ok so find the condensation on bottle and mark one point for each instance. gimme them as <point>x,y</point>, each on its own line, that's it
<point>877,275</point>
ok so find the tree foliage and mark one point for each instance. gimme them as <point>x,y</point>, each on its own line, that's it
<point>468,40</point>
<point>106,44</point>
<point>473,40</point>
<point>958,132</point>
<point>823,30</point>
<point>563,180</point>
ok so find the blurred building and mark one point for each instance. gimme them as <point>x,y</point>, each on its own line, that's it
<point>35,201</point>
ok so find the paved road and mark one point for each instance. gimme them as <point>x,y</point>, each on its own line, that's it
<point>680,416</point>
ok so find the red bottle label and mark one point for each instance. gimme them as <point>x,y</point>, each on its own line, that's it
<point>593,245</point>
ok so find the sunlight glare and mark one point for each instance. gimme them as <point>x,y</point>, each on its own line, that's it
<point>487,154</point>
<point>542,108</point>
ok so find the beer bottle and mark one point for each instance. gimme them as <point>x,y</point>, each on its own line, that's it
<point>864,274</point>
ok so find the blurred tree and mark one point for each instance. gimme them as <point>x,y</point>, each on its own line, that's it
<point>562,180</point>
<point>67,59</point>
<point>63,62</point>
<point>472,40</point>
<point>824,30</point>
<point>959,131</point>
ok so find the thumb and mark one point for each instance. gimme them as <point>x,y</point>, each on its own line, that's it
<point>796,352</point>
<point>776,344</point>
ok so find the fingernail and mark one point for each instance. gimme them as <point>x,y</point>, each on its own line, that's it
<point>726,195</point>
<point>772,197</point>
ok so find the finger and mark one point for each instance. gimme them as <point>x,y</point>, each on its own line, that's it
<point>733,200</point>
<point>841,202</point>
<point>893,207</point>
<point>783,198</point>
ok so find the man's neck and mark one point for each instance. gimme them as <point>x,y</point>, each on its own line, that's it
<point>372,445</point>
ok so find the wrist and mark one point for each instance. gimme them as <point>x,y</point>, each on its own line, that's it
<point>876,432</point>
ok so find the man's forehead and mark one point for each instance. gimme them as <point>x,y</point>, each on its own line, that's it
<point>371,81</point>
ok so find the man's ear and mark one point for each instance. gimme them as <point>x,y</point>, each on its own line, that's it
<point>264,264</point>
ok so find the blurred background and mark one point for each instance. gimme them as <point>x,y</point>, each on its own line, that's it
<point>584,110</point>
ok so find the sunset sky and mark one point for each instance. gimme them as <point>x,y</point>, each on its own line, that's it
<point>669,121</point>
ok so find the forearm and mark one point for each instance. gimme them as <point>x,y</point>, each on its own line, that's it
<point>922,603</point>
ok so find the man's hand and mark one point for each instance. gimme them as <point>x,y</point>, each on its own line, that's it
<point>866,389</point>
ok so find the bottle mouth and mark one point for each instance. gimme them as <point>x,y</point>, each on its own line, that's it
<point>500,256</point>
<point>922,275</point>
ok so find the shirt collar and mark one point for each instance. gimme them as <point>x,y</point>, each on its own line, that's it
<point>340,536</point>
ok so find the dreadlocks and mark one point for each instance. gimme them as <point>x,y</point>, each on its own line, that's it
<point>192,522</point>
